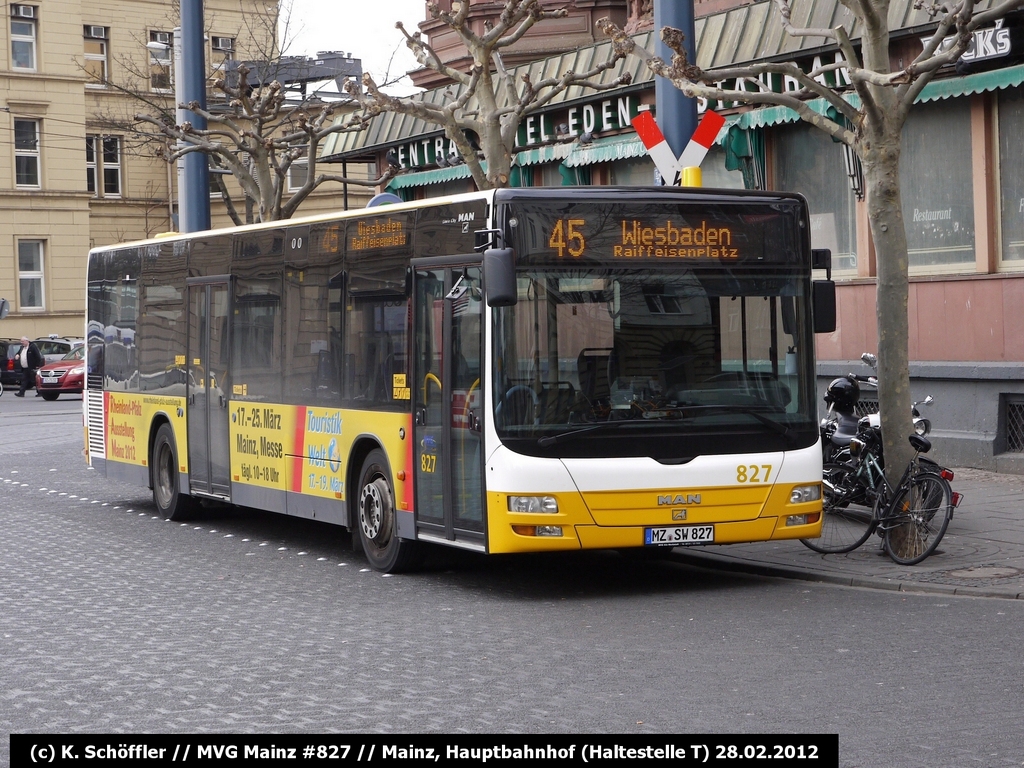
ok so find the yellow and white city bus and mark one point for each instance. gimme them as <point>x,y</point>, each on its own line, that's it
<point>517,370</point>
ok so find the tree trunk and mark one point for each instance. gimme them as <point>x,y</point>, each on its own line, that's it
<point>881,160</point>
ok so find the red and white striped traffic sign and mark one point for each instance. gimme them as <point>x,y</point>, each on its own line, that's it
<point>661,153</point>
<point>657,146</point>
<point>701,140</point>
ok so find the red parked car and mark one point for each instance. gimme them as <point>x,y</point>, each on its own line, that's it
<point>64,377</point>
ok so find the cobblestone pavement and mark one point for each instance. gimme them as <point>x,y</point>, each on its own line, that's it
<point>113,620</point>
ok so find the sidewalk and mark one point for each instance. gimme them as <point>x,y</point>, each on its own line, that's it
<point>982,553</point>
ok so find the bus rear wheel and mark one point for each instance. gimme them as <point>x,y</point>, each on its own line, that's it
<point>376,522</point>
<point>171,503</point>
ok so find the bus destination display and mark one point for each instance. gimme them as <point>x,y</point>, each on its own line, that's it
<point>641,239</point>
<point>608,232</point>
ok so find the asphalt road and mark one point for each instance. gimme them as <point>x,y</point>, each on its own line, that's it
<point>113,620</point>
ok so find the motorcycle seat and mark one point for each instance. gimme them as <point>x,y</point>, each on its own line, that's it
<point>846,430</point>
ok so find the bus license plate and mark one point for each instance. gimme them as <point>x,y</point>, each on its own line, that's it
<point>679,535</point>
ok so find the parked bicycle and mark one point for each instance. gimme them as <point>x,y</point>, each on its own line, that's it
<point>911,517</point>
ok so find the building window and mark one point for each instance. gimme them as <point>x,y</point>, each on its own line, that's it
<point>223,50</point>
<point>808,161</point>
<point>23,37</point>
<point>30,274</point>
<point>103,165</point>
<point>298,171</point>
<point>938,188</point>
<point>160,61</point>
<point>96,54</point>
<point>26,153</point>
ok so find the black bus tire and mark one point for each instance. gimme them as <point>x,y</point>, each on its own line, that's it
<point>376,523</point>
<point>171,503</point>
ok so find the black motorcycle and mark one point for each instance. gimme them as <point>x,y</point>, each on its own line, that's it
<point>841,422</point>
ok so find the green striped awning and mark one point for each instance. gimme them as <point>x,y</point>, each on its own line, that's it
<point>979,82</point>
<point>546,154</point>
<point>605,150</point>
<point>966,85</point>
<point>434,176</point>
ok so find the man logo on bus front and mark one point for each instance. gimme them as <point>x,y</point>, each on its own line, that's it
<point>690,498</point>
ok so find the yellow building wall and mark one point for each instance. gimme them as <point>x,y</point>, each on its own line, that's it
<point>61,212</point>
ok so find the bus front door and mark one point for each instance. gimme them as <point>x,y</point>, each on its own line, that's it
<point>448,403</point>
<point>208,444</point>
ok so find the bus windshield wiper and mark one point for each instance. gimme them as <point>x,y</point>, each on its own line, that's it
<point>754,412</point>
<point>543,442</point>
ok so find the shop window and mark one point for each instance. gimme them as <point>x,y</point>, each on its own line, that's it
<point>1011,177</point>
<point>809,162</point>
<point>937,186</point>
<point>635,172</point>
<point>714,174</point>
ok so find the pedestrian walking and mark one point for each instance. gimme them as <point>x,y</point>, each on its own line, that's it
<point>30,359</point>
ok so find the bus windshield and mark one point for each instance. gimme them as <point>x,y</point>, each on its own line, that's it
<point>593,355</point>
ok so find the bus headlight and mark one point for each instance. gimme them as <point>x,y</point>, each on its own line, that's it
<point>804,493</point>
<point>534,504</point>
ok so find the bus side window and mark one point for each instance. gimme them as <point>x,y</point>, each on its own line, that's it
<point>311,329</point>
<point>375,349</point>
<point>256,338</point>
<point>375,331</point>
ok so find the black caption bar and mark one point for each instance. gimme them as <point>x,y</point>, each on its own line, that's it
<point>811,751</point>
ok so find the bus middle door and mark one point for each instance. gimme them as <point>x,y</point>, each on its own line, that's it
<point>448,403</point>
<point>208,350</point>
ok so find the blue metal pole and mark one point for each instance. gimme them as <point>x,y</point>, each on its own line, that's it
<point>194,195</point>
<point>676,113</point>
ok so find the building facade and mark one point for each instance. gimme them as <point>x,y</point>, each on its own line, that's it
<point>75,174</point>
<point>962,181</point>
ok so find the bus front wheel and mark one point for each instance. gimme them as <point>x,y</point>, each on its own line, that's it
<point>375,520</point>
<point>170,501</point>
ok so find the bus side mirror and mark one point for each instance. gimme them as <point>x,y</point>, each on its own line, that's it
<point>823,296</point>
<point>5,307</point>
<point>500,277</point>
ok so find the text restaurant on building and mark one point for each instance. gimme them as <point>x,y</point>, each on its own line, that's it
<point>962,175</point>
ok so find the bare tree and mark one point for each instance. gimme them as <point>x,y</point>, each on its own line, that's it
<point>255,132</point>
<point>258,136</point>
<point>486,107</point>
<point>872,130</point>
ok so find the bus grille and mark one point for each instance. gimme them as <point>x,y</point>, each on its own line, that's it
<point>97,430</point>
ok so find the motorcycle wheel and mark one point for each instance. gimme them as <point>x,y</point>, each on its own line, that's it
<point>846,513</point>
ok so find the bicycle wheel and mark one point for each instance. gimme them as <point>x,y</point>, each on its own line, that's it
<point>917,519</point>
<point>846,517</point>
